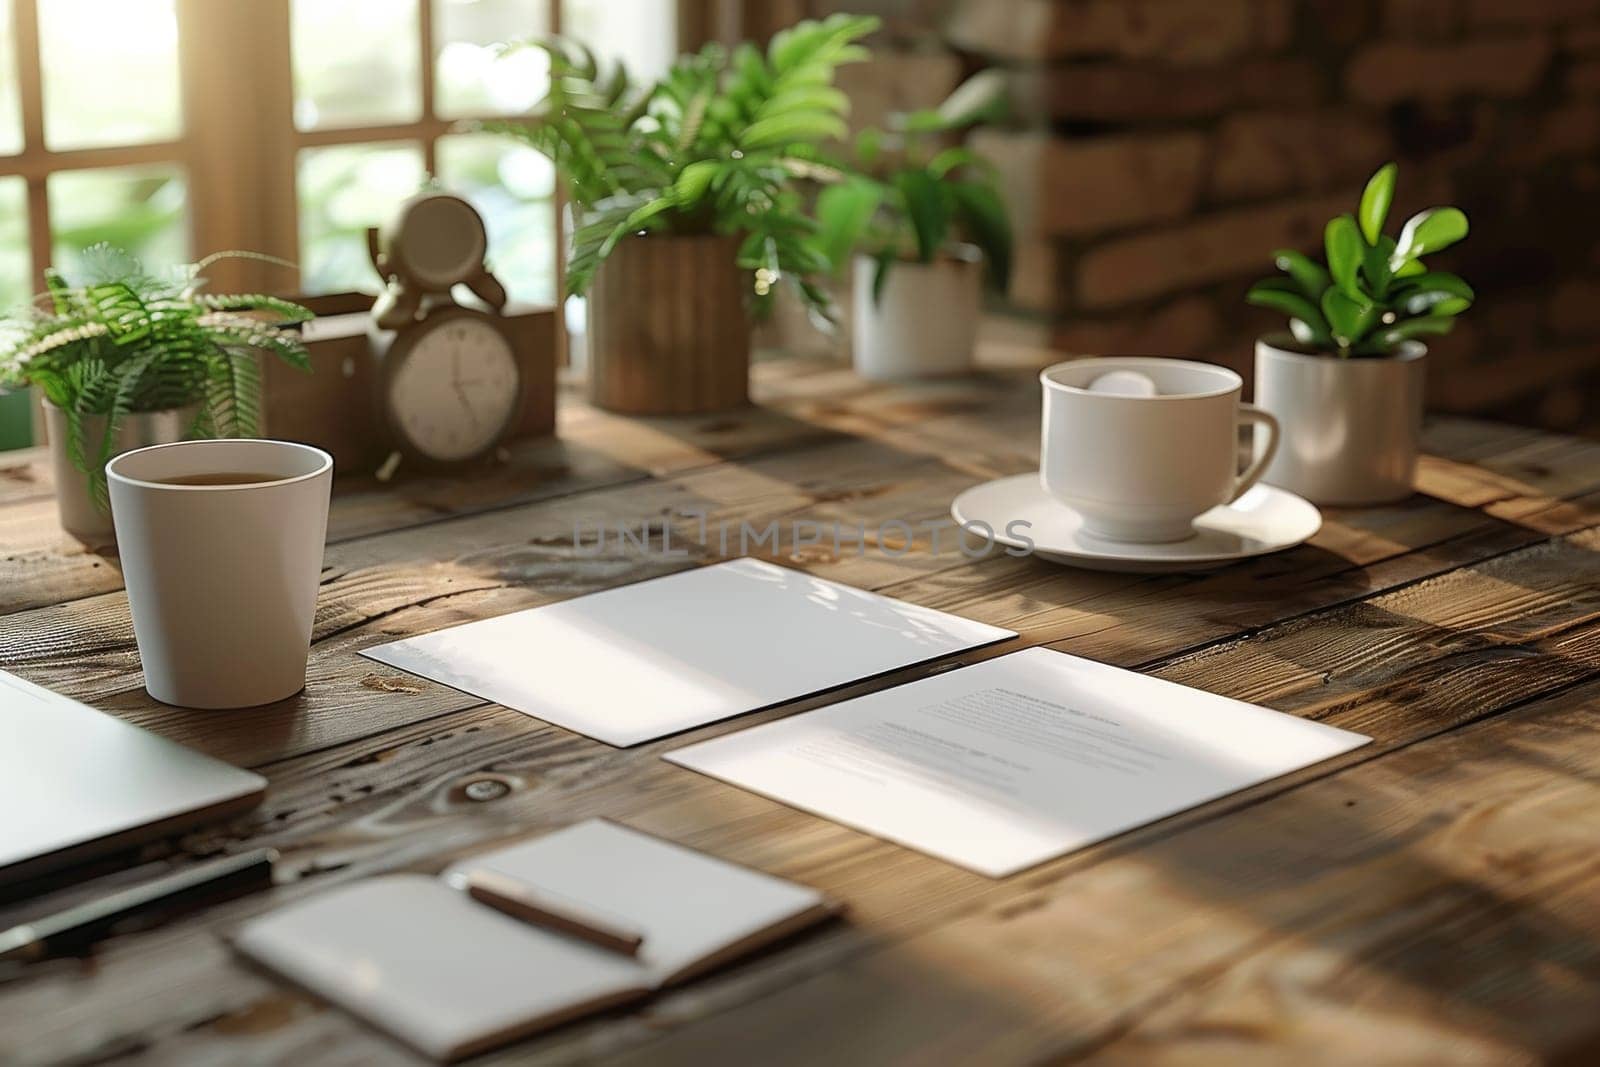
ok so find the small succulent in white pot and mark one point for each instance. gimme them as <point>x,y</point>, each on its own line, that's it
<point>1346,381</point>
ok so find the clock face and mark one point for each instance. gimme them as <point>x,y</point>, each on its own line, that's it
<point>455,389</point>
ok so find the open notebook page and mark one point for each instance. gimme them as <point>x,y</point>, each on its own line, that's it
<point>448,975</point>
<point>689,906</point>
<point>433,967</point>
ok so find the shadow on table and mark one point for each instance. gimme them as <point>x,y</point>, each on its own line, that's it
<point>1410,898</point>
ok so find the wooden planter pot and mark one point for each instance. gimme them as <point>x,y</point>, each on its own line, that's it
<point>668,333</point>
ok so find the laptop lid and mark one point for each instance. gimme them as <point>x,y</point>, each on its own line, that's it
<point>75,781</point>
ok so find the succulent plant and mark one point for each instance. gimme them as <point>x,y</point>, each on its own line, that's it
<point>1374,293</point>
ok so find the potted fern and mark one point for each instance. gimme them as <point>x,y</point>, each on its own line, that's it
<point>922,221</point>
<point>687,206</point>
<point>125,359</point>
<point>1346,382</point>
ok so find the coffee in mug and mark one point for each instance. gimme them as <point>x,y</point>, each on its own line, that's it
<point>221,478</point>
<point>1142,464</point>
<point>221,546</point>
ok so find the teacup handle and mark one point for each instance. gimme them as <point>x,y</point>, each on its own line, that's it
<point>1258,465</point>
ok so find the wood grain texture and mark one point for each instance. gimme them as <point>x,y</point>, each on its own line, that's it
<point>1430,898</point>
<point>668,332</point>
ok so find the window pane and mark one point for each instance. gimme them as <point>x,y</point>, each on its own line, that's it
<point>16,417</point>
<point>140,209</point>
<point>643,34</point>
<point>471,79</point>
<point>343,190</point>
<point>110,72</point>
<point>15,281</point>
<point>356,62</point>
<point>10,107</point>
<point>512,187</point>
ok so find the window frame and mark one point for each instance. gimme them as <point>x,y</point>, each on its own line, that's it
<point>241,178</point>
<point>242,185</point>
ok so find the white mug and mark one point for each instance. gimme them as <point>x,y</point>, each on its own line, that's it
<point>222,579</point>
<point>1142,468</point>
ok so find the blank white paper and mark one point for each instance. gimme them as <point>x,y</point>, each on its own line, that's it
<point>1008,763</point>
<point>642,661</point>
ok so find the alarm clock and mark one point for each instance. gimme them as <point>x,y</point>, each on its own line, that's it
<point>435,242</point>
<point>449,377</point>
<point>448,385</point>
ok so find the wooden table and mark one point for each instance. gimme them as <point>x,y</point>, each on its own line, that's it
<point>1432,897</point>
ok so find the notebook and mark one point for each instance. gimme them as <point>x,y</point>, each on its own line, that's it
<point>642,661</point>
<point>452,977</point>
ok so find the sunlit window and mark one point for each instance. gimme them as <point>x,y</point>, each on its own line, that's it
<point>642,34</point>
<point>356,63</point>
<point>14,266</point>
<point>472,77</point>
<point>97,136</point>
<point>343,190</point>
<point>142,209</point>
<point>10,102</point>
<point>110,72</point>
<point>512,186</point>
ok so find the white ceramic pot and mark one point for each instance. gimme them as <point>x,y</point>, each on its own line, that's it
<point>80,515</point>
<point>222,579</point>
<point>1351,427</point>
<point>926,322</point>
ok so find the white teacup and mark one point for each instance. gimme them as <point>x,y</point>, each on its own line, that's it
<point>222,577</point>
<point>1142,468</point>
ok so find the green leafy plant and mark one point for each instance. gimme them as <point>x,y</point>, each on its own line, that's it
<point>713,148</point>
<point>118,340</point>
<point>916,195</point>
<point>1375,293</point>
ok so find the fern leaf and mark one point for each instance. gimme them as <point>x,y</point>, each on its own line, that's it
<point>787,127</point>
<point>285,311</point>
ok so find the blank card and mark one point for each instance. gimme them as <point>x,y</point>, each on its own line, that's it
<point>646,660</point>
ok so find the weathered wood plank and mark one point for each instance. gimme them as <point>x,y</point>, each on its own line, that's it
<point>24,475</point>
<point>1411,909</point>
<point>799,404</point>
<point>803,403</point>
<point>1416,622</point>
<point>489,564</point>
<point>86,648</point>
<point>372,806</point>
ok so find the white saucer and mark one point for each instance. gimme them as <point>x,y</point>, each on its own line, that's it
<point>1266,519</point>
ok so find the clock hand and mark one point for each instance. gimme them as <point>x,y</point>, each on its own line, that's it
<point>466,401</point>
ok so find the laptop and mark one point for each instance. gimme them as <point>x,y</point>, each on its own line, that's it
<point>75,782</point>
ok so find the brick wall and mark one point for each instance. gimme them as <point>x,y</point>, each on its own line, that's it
<point>1163,148</point>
